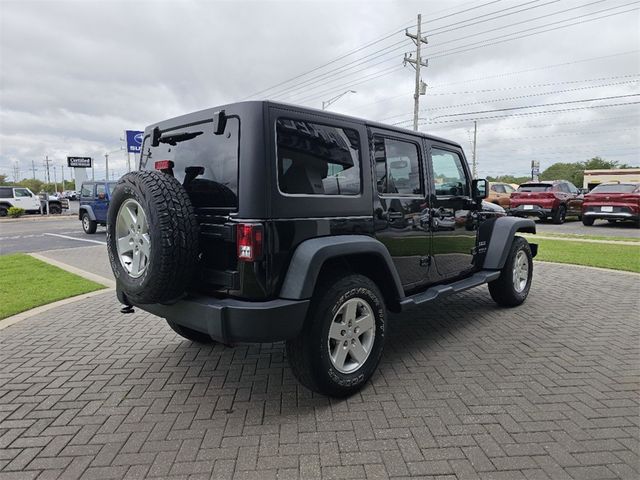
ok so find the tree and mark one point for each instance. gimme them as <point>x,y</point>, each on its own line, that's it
<point>3,179</point>
<point>509,179</point>
<point>32,184</point>
<point>572,172</point>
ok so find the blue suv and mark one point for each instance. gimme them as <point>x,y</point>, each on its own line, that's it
<point>94,203</point>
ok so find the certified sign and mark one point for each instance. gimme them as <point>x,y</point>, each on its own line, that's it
<point>79,162</point>
<point>134,141</point>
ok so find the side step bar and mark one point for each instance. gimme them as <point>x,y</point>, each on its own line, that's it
<point>478,278</point>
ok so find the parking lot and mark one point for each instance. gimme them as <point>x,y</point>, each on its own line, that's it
<point>549,390</point>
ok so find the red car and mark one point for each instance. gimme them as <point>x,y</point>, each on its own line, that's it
<point>554,199</point>
<point>612,202</point>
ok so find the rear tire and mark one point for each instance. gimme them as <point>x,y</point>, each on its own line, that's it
<point>512,287</point>
<point>55,209</point>
<point>588,221</point>
<point>3,211</point>
<point>152,237</point>
<point>89,226</point>
<point>559,215</point>
<point>343,337</point>
<point>190,334</point>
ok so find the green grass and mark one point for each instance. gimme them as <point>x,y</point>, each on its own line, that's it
<point>604,255</point>
<point>26,283</point>
<point>585,237</point>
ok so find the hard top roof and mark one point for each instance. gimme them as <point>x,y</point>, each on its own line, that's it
<point>312,111</point>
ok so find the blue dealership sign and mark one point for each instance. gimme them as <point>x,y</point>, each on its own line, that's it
<point>134,141</point>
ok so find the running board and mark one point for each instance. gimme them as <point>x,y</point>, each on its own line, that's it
<point>478,278</point>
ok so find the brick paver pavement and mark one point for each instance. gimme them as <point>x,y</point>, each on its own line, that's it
<point>465,390</point>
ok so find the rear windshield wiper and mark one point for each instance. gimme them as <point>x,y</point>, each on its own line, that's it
<point>178,137</point>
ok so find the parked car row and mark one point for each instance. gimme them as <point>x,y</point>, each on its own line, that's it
<point>556,199</point>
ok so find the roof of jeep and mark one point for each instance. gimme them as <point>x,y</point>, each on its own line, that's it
<point>316,112</point>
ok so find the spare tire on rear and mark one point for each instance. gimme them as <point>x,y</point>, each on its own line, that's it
<point>152,237</point>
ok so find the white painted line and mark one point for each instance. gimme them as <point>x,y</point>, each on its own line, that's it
<point>35,311</point>
<point>107,282</point>
<point>75,238</point>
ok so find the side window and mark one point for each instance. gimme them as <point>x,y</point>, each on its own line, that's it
<point>315,159</point>
<point>22,192</point>
<point>6,192</point>
<point>87,190</point>
<point>508,188</point>
<point>397,166</point>
<point>101,190</point>
<point>499,188</point>
<point>449,177</point>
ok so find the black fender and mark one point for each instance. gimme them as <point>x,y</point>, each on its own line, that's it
<point>6,205</point>
<point>501,237</point>
<point>310,255</point>
<point>89,210</point>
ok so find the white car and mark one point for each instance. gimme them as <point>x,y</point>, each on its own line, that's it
<point>19,197</point>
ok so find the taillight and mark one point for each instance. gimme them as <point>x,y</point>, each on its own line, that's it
<point>165,166</point>
<point>250,239</point>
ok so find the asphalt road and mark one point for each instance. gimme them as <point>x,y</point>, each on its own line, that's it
<point>600,228</point>
<point>37,234</point>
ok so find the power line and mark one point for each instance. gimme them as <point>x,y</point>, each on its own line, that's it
<point>473,46</point>
<point>381,53</point>
<point>529,113</point>
<point>547,125</point>
<point>538,106</point>
<point>518,97</point>
<point>367,45</point>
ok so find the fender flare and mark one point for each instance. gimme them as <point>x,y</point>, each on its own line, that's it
<point>89,210</point>
<point>6,204</point>
<point>502,234</point>
<point>310,255</point>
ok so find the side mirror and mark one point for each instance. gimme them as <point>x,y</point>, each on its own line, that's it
<point>480,189</point>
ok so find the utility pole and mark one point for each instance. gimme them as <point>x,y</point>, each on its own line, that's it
<point>46,164</point>
<point>475,135</point>
<point>55,180</point>
<point>62,167</point>
<point>417,62</point>
<point>106,165</point>
<point>33,168</point>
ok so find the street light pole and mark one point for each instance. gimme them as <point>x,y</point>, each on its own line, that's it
<point>333,100</point>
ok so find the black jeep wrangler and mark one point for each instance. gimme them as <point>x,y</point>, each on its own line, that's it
<point>262,222</point>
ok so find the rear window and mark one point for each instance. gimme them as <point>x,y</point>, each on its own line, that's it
<point>616,188</point>
<point>535,188</point>
<point>315,159</point>
<point>197,146</point>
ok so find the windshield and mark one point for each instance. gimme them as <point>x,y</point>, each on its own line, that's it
<point>111,187</point>
<point>538,187</point>
<point>197,146</point>
<point>616,188</point>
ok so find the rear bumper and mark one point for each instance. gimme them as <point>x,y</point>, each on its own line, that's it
<point>233,321</point>
<point>536,211</point>
<point>612,215</point>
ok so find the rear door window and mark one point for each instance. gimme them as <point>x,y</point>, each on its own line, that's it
<point>6,192</point>
<point>397,167</point>
<point>317,159</point>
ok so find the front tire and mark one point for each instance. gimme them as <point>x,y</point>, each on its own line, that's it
<point>343,338</point>
<point>89,226</point>
<point>512,287</point>
<point>190,334</point>
<point>588,221</point>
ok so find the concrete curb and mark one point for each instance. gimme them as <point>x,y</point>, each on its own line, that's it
<point>18,317</point>
<point>107,282</point>
<point>609,270</point>
<point>584,240</point>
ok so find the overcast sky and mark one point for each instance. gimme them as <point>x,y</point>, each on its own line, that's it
<point>75,74</point>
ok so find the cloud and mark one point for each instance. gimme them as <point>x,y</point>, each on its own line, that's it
<point>75,74</point>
